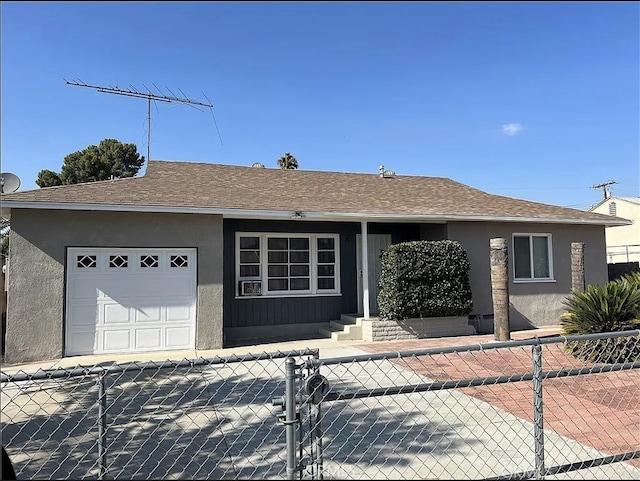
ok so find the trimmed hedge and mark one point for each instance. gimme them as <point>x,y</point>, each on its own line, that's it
<point>424,279</point>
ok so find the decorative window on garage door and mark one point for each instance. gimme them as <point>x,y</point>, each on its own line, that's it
<point>119,261</point>
<point>149,261</point>
<point>180,260</point>
<point>85,261</point>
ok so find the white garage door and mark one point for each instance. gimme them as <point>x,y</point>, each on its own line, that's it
<point>130,300</point>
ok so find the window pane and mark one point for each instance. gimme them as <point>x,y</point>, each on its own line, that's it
<point>327,257</point>
<point>249,242</point>
<point>278,243</point>
<point>278,257</point>
<point>278,284</point>
<point>541,257</point>
<point>86,261</point>
<point>300,284</point>
<point>250,271</point>
<point>299,257</point>
<point>278,271</point>
<point>299,271</point>
<point>522,262</point>
<point>326,271</point>
<point>149,261</point>
<point>299,243</point>
<point>249,257</point>
<point>326,243</point>
<point>326,283</point>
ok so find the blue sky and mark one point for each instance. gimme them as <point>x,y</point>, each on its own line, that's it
<point>534,100</point>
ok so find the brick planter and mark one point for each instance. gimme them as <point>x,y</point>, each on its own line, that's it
<point>377,330</point>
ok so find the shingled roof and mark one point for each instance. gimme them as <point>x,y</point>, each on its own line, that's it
<point>253,191</point>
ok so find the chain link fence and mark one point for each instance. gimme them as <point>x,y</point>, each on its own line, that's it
<point>553,408</point>
<point>512,410</point>
<point>191,419</point>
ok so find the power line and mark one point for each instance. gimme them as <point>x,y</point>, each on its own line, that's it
<point>134,92</point>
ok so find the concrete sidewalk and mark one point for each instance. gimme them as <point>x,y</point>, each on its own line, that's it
<point>327,347</point>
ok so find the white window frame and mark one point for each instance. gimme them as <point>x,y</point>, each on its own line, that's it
<point>264,265</point>
<point>531,235</point>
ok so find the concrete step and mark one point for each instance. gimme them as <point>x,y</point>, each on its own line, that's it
<point>339,331</point>
<point>351,319</point>
<point>333,333</point>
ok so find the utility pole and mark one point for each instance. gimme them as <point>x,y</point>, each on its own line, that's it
<point>134,92</point>
<point>604,186</point>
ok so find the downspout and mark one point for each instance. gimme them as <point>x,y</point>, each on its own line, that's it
<point>365,268</point>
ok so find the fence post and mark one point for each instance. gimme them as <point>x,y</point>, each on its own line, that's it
<point>290,415</point>
<point>102,426</point>
<point>538,418</point>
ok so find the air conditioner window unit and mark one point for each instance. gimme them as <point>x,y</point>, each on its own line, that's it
<point>250,288</point>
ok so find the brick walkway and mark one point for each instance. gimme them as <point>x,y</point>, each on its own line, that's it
<point>598,410</point>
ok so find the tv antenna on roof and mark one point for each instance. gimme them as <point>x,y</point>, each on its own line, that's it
<point>134,92</point>
<point>9,182</point>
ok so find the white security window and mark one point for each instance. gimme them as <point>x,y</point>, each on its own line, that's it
<point>288,264</point>
<point>532,257</point>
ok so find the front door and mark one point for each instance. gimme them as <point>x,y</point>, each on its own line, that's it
<point>376,245</point>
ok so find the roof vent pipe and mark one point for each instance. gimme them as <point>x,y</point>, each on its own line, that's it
<point>386,174</point>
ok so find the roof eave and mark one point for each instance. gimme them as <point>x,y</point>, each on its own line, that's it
<point>290,214</point>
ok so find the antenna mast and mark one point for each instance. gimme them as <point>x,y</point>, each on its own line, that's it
<point>604,186</point>
<point>134,92</point>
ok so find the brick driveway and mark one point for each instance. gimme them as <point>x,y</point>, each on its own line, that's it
<point>598,410</point>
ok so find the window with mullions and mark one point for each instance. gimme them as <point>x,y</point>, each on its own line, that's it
<point>326,253</point>
<point>250,257</point>
<point>532,257</point>
<point>289,264</point>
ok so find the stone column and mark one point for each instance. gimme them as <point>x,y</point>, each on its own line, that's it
<point>500,288</point>
<point>577,266</point>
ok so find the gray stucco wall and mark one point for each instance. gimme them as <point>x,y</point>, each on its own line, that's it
<point>533,304</point>
<point>36,280</point>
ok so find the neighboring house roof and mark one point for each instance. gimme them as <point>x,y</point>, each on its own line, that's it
<point>633,200</point>
<point>237,191</point>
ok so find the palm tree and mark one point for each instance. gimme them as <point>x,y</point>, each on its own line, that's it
<point>288,162</point>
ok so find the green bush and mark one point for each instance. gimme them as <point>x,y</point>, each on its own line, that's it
<point>610,308</point>
<point>424,279</point>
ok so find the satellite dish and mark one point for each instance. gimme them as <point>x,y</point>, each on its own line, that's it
<point>10,182</point>
<point>257,164</point>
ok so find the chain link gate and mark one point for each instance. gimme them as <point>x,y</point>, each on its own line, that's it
<point>305,389</point>
<point>188,419</point>
<point>391,385</point>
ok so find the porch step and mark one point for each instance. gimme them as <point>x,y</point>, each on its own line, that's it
<point>348,328</point>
